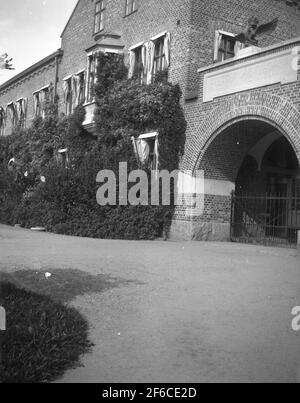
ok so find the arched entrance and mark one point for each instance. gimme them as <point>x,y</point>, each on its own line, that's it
<point>255,160</point>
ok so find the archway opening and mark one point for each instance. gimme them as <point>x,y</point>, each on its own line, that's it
<point>255,161</point>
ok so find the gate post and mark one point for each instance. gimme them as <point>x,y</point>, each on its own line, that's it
<point>298,242</point>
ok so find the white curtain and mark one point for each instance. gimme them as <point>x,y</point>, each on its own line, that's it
<point>144,57</point>
<point>25,107</point>
<point>142,150</point>
<point>36,103</point>
<point>81,87</point>
<point>218,40</point>
<point>42,100</point>
<point>75,89</point>
<point>19,110</point>
<point>150,64</point>
<point>67,84</point>
<point>132,59</point>
<point>23,110</point>
<point>156,153</point>
<point>238,46</point>
<point>167,48</point>
<point>12,113</point>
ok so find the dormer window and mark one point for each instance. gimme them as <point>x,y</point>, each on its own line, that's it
<point>99,16</point>
<point>226,46</point>
<point>130,7</point>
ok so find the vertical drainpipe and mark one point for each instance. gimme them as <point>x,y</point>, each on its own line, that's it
<point>56,71</point>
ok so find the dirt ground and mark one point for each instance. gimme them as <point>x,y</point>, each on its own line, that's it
<point>185,312</point>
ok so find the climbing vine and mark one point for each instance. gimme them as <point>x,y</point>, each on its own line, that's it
<point>65,200</point>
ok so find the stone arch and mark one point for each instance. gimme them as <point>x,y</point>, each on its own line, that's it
<point>259,105</point>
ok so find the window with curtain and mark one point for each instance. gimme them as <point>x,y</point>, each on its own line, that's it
<point>99,16</point>
<point>78,89</point>
<point>36,104</point>
<point>146,150</point>
<point>159,56</point>
<point>226,46</point>
<point>130,6</point>
<point>21,106</point>
<point>12,113</point>
<point>91,77</point>
<point>137,63</point>
<point>81,87</point>
<point>68,94</point>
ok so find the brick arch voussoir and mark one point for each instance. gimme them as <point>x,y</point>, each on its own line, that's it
<point>272,109</point>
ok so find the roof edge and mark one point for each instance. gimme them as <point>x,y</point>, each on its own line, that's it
<point>30,69</point>
<point>70,18</point>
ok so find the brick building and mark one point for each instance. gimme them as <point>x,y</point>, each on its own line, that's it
<point>242,104</point>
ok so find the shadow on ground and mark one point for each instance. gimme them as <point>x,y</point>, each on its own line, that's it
<point>63,285</point>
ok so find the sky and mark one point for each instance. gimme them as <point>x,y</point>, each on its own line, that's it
<point>30,30</point>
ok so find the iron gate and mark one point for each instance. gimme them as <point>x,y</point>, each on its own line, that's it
<point>269,219</point>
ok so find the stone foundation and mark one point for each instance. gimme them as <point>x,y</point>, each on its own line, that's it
<point>199,231</point>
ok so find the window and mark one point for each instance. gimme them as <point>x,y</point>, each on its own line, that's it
<point>131,7</point>
<point>62,157</point>
<point>226,46</point>
<point>40,100</point>
<point>12,113</point>
<point>139,66</point>
<point>137,56</point>
<point>78,88</point>
<point>91,77</point>
<point>21,106</point>
<point>68,94</point>
<point>159,56</point>
<point>146,150</point>
<point>99,16</point>
<point>148,58</point>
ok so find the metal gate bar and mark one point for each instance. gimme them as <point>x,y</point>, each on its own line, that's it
<point>269,219</point>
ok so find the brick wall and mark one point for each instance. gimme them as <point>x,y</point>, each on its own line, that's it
<point>24,87</point>
<point>151,18</point>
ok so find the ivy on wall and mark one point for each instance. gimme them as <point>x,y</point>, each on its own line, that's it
<point>66,201</point>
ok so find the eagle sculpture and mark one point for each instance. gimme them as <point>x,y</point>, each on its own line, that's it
<point>248,37</point>
<point>5,62</point>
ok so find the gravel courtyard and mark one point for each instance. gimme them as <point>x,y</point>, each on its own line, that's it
<point>185,312</point>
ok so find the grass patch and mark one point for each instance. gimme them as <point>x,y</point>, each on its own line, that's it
<point>43,338</point>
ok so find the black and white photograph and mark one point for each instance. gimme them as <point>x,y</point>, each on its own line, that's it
<point>149,194</point>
